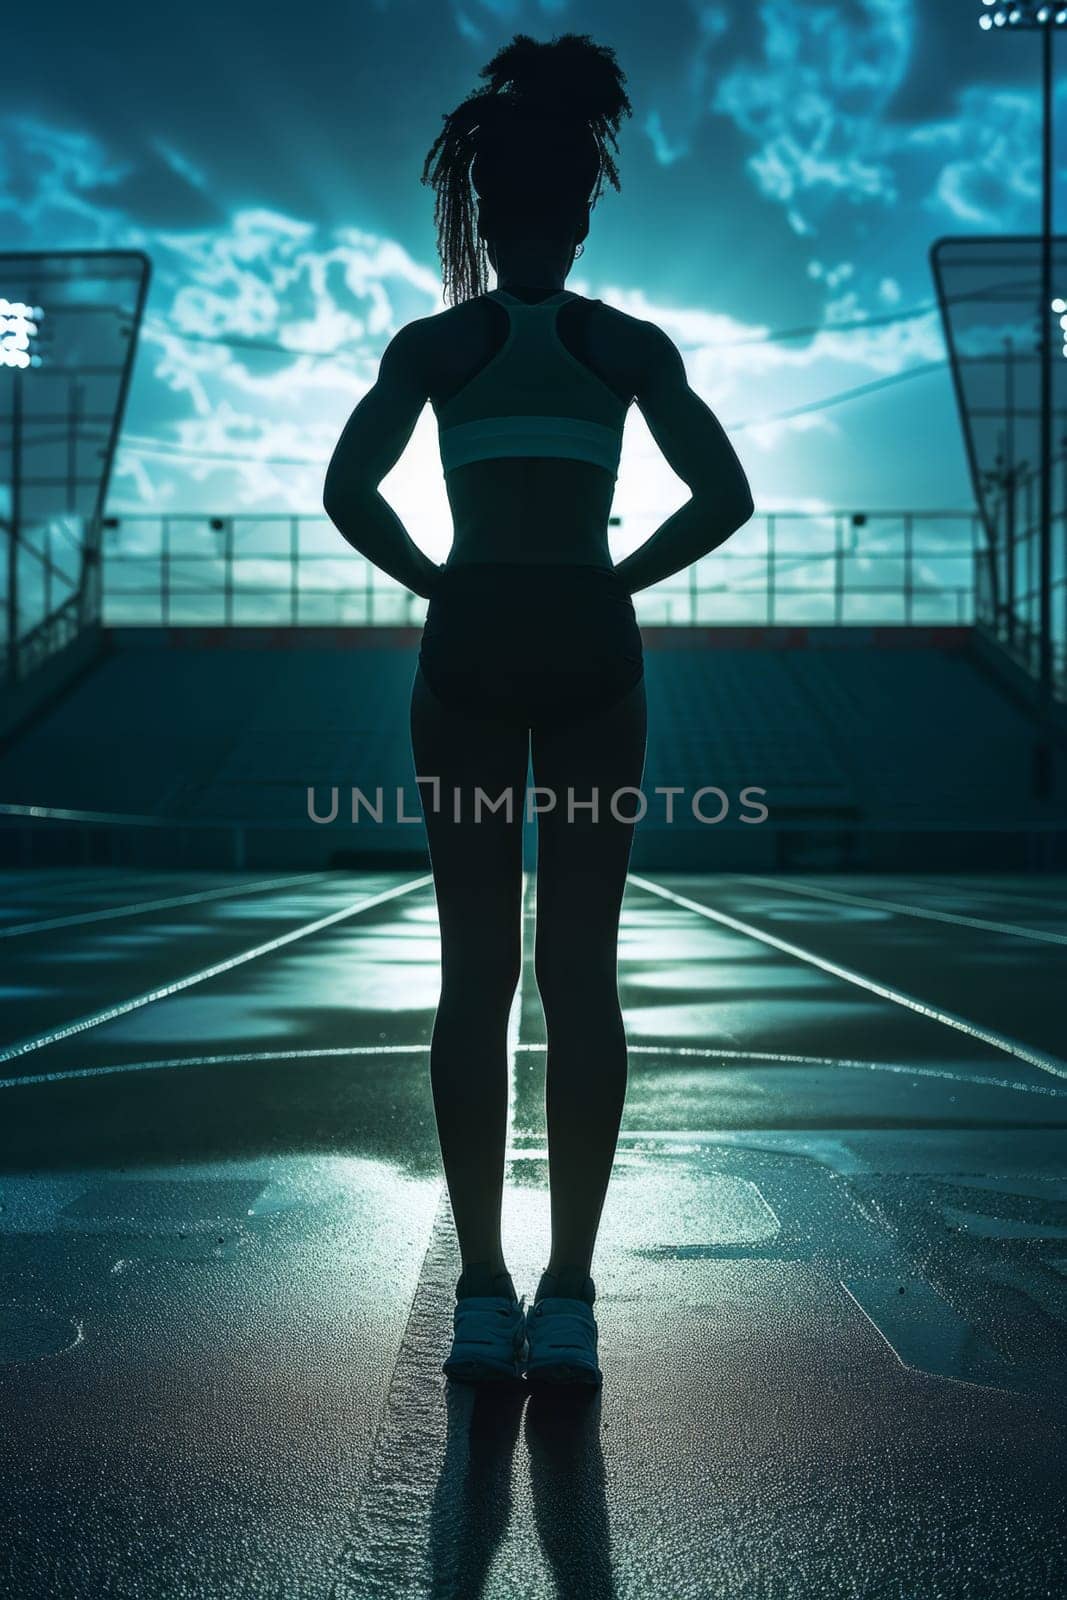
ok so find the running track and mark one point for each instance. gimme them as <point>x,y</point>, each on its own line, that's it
<point>832,1275</point>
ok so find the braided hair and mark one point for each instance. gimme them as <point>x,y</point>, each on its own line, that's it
<point>532,144</point>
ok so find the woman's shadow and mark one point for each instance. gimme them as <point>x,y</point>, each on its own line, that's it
<point>472,1501</point>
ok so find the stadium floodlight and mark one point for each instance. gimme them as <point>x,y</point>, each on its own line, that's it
<point>19,326</point>
<point>1026,16</point>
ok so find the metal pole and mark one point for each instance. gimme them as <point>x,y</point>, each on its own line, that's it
<point>1043,751</point>
<point>1009,502</point>
<point>839,570</point>
<point>72,444</point>
<point>164,575</point>
<point>294,571</point>
<point>770,569</point>
<point>13,536</point>
<point>227,557</point>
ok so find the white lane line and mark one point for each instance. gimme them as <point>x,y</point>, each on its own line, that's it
<point>885,991</point>
<point>799,887</point>
<point>138,908</point>
<point>231,1058</point>
<point>739,1058</point>
<point>122,1007</point>
<point>990,889</point>
<point>23,884</point>
<point>399,1497</point>
<point>778,1058</point>
<point>515,1016</point>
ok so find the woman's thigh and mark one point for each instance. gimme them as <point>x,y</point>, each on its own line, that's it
<point>472,782</point>
<point>583,854</point>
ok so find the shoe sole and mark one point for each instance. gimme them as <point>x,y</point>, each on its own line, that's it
<point>475,1371</point>
<point>565,1373</point>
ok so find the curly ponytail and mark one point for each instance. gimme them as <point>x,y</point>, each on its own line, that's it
<point>534,139</point>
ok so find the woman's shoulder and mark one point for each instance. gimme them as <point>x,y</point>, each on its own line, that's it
<point>619,344</point>
<point>433,342</point>
<point>446,346</point>
<point>640,333</point>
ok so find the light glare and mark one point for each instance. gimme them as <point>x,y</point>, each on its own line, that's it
<point>18,326</point>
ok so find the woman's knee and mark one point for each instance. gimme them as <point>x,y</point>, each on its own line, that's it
<point>482,977</point>
<point>586,978</point>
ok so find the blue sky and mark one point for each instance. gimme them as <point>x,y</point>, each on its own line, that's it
<point>787,166</point>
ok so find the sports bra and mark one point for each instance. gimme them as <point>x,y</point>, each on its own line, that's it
<point>532,398</point>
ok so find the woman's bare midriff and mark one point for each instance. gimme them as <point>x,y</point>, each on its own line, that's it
<point>530,509</point>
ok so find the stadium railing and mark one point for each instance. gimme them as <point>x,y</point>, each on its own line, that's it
<point>820,567</point>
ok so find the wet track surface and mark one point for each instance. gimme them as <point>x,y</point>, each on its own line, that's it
<point>832,1274</point>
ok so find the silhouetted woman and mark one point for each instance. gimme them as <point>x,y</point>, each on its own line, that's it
<point>530,646</point>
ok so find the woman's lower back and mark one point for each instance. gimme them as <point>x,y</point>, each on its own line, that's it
<point>530,509</point>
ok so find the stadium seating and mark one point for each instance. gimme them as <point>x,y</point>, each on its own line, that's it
<point>850,741</point>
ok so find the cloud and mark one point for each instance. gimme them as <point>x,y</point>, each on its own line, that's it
<point>260,276</point>
<point>816,108</point>
<point>508,13</point>
<point>831,276</point>
<point>181,165</point>
<point>262,333</point>
<point>986,159</point>
<point>665,149</point>
<point>813,104</point>
<point>322,303</point>
<point>670,127</point>
<point>55,179</point>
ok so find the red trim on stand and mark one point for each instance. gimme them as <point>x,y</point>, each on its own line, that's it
<point>656,637</point>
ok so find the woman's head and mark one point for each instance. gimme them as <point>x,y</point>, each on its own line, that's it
<point>526,156</point>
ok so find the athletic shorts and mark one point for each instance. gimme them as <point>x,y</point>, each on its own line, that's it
<point>537,645</point>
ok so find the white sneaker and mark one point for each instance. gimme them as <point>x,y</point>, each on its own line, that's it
<point>489,1339</point>
<point>562,1338</point>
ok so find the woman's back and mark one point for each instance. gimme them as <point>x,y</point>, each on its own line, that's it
<point>500,358</point>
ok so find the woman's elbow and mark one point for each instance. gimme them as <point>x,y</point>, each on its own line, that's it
<point>730,503</point>
<point>329,496</point>
<point>745,508</point>
<point>735,499</point>
<point>337,497</point>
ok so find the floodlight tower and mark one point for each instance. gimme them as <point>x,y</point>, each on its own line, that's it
<point>19,327</point>
<point>1030,16</point>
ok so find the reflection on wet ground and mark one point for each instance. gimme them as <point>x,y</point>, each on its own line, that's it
<point>832,1274</point>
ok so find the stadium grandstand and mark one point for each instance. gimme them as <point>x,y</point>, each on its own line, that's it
<point>197,689</point>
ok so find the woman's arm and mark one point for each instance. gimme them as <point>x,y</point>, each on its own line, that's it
<point>697,449</point>
<point>372,443</point>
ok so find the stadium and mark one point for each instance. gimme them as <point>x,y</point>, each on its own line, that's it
<point>839,1194</point>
